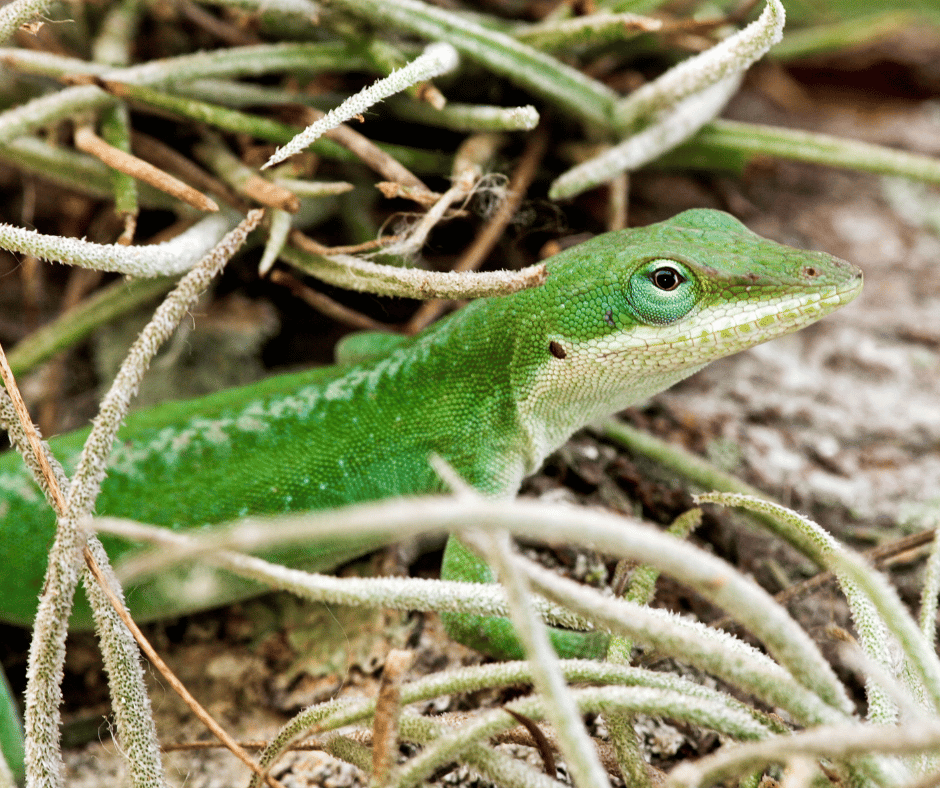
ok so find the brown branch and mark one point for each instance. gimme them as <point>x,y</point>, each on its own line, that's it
<point>165,157</point>
<point>323,303</point>
<point>31,435</point>
<point>387,714</point>
<point>270,194</point>
<point>370,153</point>
<point>539,738</point>
<point>307,243</point>
<point>88,141</point>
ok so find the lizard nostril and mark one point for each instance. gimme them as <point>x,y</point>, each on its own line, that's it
<point>556,349</point>
<point>811,272</point>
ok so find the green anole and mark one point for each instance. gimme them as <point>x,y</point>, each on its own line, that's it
<point>492,389</point>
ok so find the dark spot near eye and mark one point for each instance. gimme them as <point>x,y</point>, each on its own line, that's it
<point>609,318</point>
<point>556,349</point>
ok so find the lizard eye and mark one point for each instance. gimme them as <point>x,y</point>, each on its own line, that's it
<point>662,291</point>
<point>666,278</point>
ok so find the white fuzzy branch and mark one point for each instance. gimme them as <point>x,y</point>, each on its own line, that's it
<point>437,59</point>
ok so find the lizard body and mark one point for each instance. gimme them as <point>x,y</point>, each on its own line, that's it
<point>493,389</point>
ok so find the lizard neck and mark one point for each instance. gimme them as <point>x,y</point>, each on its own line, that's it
<point>559,403</point>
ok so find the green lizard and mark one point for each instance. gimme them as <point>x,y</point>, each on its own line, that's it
<point>493,389</point>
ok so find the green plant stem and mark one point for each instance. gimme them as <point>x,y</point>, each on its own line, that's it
<point>49,64</point>
<point>730,57</point>
<point>839,36</point>
<point>230,93</point>
<point>836,742</point>
<point>592,30</point>
<point>133,716</point>
<point>336,714</point>
<point>350,751</point>
<point>231,63</point>
<point>115,38</point>
<point>630,6</point>
<point>51,109</point>
<point>856,578</point>
<point>73,170</point>
<point>356,274</point>
<point>559,704</point>
<point>270,130</point>
<point>684,463</point>
<point>171,257</point>
<point>671,127</point>
<point>115,130</point>
<point>930,593</point>
<point>466,117</point>
<point>234,62</point>
<point>448,745</point>
<point>736,137</point>
<point>547,77</point>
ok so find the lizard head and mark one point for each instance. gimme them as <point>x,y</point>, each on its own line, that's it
<point>630,313</point>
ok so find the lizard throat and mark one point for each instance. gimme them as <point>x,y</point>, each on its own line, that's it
<point>606,374</point>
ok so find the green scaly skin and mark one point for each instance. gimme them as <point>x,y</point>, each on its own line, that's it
<point>492,389</point>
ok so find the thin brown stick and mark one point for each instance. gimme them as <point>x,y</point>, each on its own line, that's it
<point>490,233</point>
<point>31,435</point>
<point>307,243</point>
<point>423,196</point>
<point>370,153</point>
<point>166,158</point>
<point>387,714</point>
<point>178,687</point>
<point>541,741</point>
<point>323,303</point>
<point>427,92</point>
<point>88,141</point>
<point>126,238</point>
<point>267,193</point>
